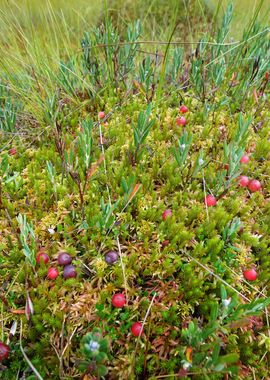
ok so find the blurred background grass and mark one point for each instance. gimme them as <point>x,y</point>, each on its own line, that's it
<point>244,10</point>
<point>35,35</point>
<point>155,14</point>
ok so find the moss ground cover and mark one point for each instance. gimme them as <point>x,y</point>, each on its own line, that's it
<point>134,203</point>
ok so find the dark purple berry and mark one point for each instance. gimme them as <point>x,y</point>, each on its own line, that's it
<point>111,257</point>
<point>69,271</point>
<point>4,351</point>
<point>64,258</point>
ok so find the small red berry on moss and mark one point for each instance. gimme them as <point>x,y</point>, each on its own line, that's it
<point>210,200</point>
<point>166,214</point>
<point>4,351</point>
<point>241,230</point>
<point>52,273</point>
<point>12,151</point>
<point>244,159</point>
<point>254,185</point>
<point>42,257</point>
<point>118,300</point>
<point>243,181</point>
<point>183,109</point>
<point>165,243</point>
<point>137,329</point>
<point>250,274</point>
<point>181,121</point>
<point>101,115</point>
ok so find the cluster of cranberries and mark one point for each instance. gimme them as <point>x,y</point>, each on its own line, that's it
<point>64,259</point>
<point>119,301</point>
<point>182,121</point>
<point>253,185</point>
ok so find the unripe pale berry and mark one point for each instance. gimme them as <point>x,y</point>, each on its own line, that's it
<point>210,200</point>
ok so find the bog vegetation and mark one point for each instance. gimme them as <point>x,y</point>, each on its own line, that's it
<point>134,194</point>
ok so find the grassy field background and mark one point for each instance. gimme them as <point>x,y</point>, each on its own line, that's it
<point>244,10</point>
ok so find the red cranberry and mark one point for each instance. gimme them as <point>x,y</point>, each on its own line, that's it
<point>111,257</point>
<point>101,115</point>
<point>183,109</point>
<point>181,121</point>
<point>165,243</point>
<point>12,151</point>
<point>4,351</point>
<point>137,329</point>
<point>243,181</point>
<point>69,271</point>
<point>210,200</point>
<point>118,300</point>
<point>166,214</point>
<point>241,230</point>
<point>254,185</point>
<point>64,258</point>
<point>42,257</point>
<point>52,273</point>
<point>250,274</point>
<point>244,159</point>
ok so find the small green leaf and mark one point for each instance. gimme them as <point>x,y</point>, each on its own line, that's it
<point>219,367</point>
<point>102,370</point>
<point>229,358</point>
<point>223,292</point>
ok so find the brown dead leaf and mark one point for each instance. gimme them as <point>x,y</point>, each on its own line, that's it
<point>134,191</point>
<point>17,311</point>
